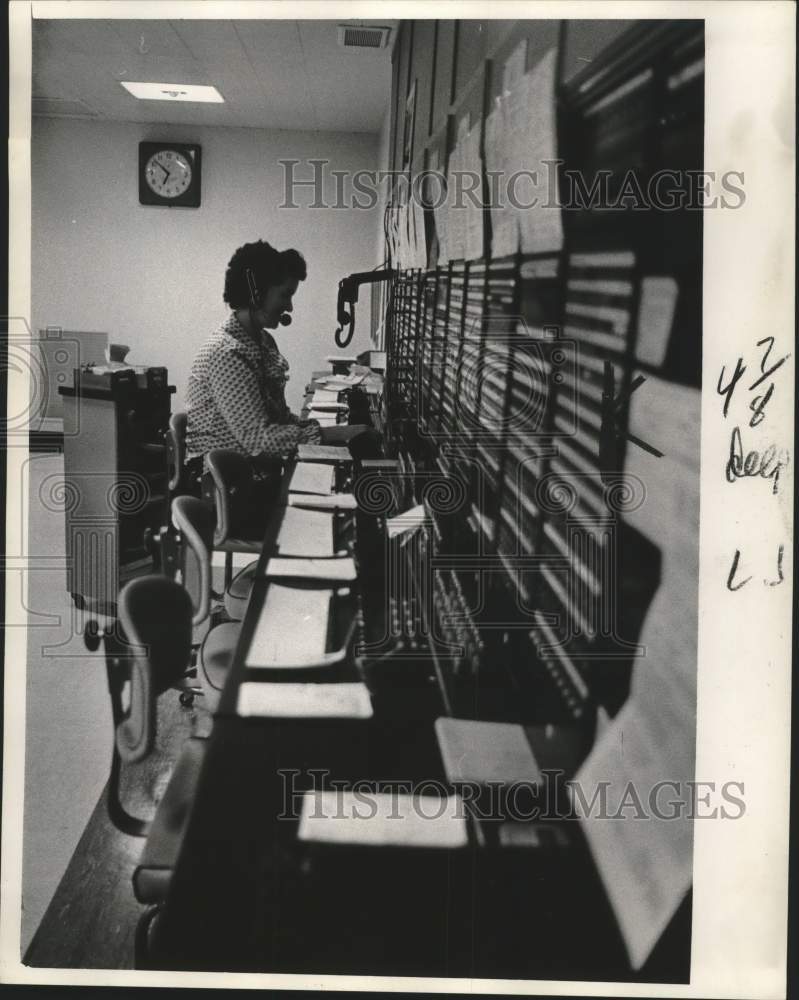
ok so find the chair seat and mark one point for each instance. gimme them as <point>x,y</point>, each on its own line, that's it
<point>239,545</point>
<point>215,656</point>
<point>161,850</point>
<point>237,595</point>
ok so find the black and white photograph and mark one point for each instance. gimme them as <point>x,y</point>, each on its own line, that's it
<point>399,496</point>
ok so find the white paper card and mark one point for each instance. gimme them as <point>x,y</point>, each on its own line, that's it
<point>304,701</point>
<point>380,819</point>
<point>305,533</point>
<point>310,477</point>
<point>292,626</point>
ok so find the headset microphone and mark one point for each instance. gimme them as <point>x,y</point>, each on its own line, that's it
<point>285,319</point>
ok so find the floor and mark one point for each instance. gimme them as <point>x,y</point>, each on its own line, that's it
<point>68,717</point>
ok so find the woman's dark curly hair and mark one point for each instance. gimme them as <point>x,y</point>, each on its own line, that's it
<point>269,267</point>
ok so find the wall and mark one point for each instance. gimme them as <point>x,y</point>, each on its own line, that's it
<point>153,277</point>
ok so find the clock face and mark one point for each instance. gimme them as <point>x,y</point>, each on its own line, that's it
<point>168,173</point>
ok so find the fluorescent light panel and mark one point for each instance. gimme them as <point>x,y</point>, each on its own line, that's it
<point>173,92</point>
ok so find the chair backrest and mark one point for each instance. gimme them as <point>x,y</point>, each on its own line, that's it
<point>155,613</point>
<point>176,449</point>
<point>195,521</point>
<point>233,493</point>
<point>148,656</point>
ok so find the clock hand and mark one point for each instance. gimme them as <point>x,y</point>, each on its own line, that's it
<point>164,169</point>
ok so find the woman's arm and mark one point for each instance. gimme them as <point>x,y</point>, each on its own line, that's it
<point>237,394</point>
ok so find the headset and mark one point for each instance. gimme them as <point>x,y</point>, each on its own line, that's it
<point>255,298</point>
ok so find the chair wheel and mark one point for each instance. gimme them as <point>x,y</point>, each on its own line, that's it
<point>141,940</point>
<point>186,699</point>
<point>91,635</point>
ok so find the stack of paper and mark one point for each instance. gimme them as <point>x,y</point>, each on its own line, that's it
<point>325,395</point>
<point>304,701</point>
<point>381,819</point>
<point>339,570</point>
<point>310,477</point>
<point>336,501</point>
<point>339,382</point>
<point>327,405</point>
<point>323,453</point>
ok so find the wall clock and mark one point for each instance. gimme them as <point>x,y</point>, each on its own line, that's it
<point>169,174</point>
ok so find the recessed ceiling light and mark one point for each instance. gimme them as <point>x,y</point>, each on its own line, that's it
<point>173,92</point>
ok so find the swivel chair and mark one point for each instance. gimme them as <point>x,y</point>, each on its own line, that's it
<point>230,488</point>
<point>149,655</point>
<point>195,523</point>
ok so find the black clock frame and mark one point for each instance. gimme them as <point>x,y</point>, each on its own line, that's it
<point>191,196</point>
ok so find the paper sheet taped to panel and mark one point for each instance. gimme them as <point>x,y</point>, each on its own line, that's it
<point>646,865</point>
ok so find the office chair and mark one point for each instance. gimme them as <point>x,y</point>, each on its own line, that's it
<point>194,521</point>
<point>231,490</point>
<point>148,657</point>
<point>184,474</point>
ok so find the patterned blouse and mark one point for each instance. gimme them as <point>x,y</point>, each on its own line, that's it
<point>236,397</point>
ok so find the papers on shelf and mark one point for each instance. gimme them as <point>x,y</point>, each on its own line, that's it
<point>409,520</point>
<point>310,477</point>
<point>292,627</point>
<point>327,404</point>
<point>324,395</point>
<point>323,453</point>
<point>381,819</point>
<point>322,418</point>
<point>339,382</point>
<point>304,701</point>
<point>336,501</point>
<point>340,570</point>
<point>305,533</point>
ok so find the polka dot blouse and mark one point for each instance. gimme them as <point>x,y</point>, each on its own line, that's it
<point>236,397</point>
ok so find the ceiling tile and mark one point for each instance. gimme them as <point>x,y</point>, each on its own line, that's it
<point>272,74</point>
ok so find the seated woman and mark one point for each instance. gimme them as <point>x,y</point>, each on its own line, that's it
<point>236,395</point>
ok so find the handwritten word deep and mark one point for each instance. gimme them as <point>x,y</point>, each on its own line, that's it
<point>767,464</point>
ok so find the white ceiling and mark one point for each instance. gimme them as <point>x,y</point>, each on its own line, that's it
<point>272,74</point>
